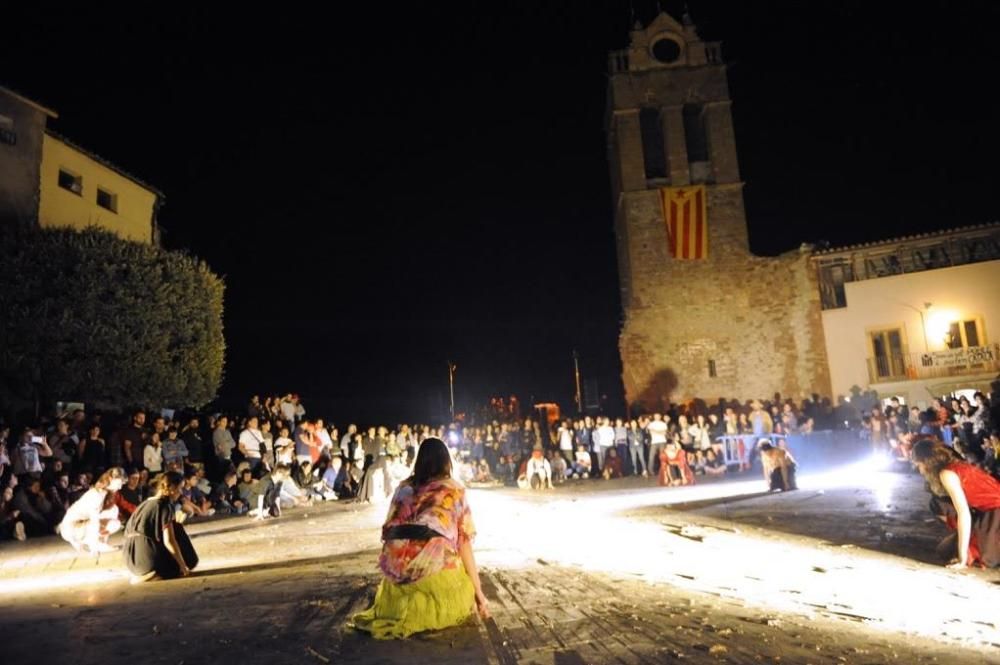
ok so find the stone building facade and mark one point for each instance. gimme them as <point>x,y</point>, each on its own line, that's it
<point>729,325</point>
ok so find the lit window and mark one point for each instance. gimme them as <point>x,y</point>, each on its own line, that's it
<point>71,182</point>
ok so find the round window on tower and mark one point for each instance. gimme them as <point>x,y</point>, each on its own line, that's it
<point>666,50</point>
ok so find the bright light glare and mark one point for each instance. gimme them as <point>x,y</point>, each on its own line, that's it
<point>774,572</point>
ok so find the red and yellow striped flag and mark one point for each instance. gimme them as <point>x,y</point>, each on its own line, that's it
<point>686,215</point>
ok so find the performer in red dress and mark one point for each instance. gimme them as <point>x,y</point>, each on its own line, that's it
<point>974,511</point>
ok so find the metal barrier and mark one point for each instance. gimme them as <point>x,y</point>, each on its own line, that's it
<point>816,450</point>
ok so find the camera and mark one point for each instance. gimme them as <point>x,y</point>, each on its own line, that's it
<point>36,439</point>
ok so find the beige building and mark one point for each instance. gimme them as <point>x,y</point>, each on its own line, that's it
<point>705,318</point>
<point>913,317</point>
<point>46,179</point>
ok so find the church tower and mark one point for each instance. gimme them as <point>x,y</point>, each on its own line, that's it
<point>696,302</point>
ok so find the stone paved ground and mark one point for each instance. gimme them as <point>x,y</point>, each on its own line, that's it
<point>619,572</point>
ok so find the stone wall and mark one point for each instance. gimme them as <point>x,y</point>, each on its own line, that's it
<point>757,318</point>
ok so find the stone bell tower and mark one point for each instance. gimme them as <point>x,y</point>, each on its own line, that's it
<point>695,327</point>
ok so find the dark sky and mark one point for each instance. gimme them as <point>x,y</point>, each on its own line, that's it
<point>389,188</point>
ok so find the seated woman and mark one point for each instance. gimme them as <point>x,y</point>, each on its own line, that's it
<point>430,577</point>
<point>974,511</point>
<point>714,464</point>
<point>779,467</point>
<point>612,465</point>
<point>156,546</point>
<point>581,466</point>
<point>92,519</point>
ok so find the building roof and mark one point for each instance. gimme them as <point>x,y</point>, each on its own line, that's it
<point>890,242</point>
<point>30,102</point>
<point>100,160</point>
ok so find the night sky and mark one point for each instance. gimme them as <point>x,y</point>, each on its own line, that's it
<point>387,188</point>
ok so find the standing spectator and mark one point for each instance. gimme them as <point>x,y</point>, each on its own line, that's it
<point>132,440</point>
<point>346,442</point>
<point>92,451</point>
<point>223,443</point>
<point>287,408</point>
<point>254,409</point>
<point>152,455</point>
<point>306,442</point>
<point>174,449</point>
<point>62,444</point>
<point>192,441</point>
<point>634,439</point>
<point>657,429</point>
<point>29,453</point>
<point>251,441</point>
<point>267,445</point>
<point>603,440</point>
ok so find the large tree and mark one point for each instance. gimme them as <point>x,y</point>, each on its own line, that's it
<point>87,316</point>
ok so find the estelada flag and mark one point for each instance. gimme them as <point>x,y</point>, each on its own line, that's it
<point>686,215</point>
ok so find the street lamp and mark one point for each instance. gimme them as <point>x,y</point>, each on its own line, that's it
<point>923,323</point>
<point>451,386</point>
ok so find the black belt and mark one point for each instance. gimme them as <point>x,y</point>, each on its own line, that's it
<point>410,532</point>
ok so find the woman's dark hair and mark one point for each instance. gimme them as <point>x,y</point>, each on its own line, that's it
<point>433,462</point>
<point>168,482</point>
<point>935,456</point>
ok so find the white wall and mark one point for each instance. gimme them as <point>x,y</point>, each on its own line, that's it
<point>962,292</point>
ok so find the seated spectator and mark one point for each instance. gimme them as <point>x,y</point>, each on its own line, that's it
<point>244,489</point>
<point>94,518</point>
<point>194,502</point>
<point>58,492</point>
<point>714,464</point>
<point>581,467</point>
<point>132,493</point>
<point>10,524</point>
<point>37,513</point>
<point>698,460</point>
<point>559,467</point>
<point>507,471</point>
<point>226,497</point>
<point>284,448</point>
<point>483,473</point>
<point>80,487</point>
<point>612,465</point>
<point>348,480</point>
<point>328,483</point>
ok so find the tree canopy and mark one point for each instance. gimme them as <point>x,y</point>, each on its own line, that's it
<point>89,317</point>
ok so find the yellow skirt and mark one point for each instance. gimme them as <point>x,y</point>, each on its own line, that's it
<point>437,601</point>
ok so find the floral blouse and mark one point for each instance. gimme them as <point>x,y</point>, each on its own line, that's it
<point>439,505</point>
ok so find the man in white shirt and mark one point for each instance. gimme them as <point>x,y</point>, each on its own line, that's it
<point>287,407</point>
<point>325,440</point>
<point>657,429</point>
<point>250,441</point>
<point>566,441</point>
<point>605,435</point>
